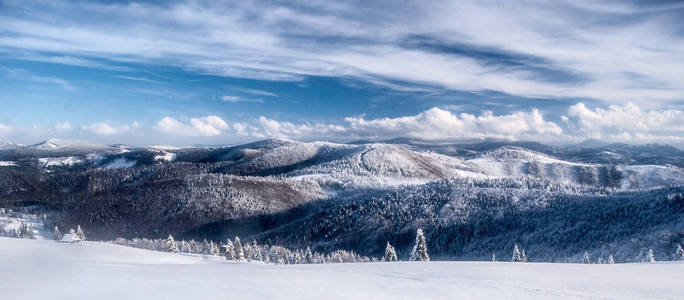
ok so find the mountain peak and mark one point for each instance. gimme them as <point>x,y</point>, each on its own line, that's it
<point>57,144</point>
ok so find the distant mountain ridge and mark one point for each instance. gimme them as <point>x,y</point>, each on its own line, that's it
<point>360,195</point>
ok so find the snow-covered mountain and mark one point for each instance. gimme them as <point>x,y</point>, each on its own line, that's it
<point>62,144</point>
<point>355,195</point>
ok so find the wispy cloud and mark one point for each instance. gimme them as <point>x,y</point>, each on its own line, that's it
<point>141,79</point>
<point>236,99</point>
<point>21,74</point>
<point>609,51</point>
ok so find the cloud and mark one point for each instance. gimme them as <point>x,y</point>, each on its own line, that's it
<point>141,79</point>
<point>236,99</point>
<point>611,51</point>
<point>284,129</point>
<point>439,124</point>
<point>108,128</point>
<point>206,126</point>
<point>63,126</point>
<point>21,74</point>
<point>628,122</point>
<point>5,130</point>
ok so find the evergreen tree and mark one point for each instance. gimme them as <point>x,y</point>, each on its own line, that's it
<point>586,259</point>
<point>420,252</point>
<point>611,260</point>
<point>650,256</point>
<point>171,245</point>
<point>517,257</point>
<point>308,256</point>
<point>390,253</point>
<point>257,251</point>
<point>239,251</point>
<point>493,257</point>
<point>679,253</point>
<point>58,234</point>
<point>524,256</point>
<point>80,234</point>
<point>230,250</point>
<point>214,248</point>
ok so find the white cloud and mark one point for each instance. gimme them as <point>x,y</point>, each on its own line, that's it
<point>439,124</point>
<point>106,128</point>
<point>283,129</point>
<point>235,99</point>
<point>63,126</point>
<point>5,129</point>
<point>206,126</point>
<point>615,51</point>
<point>628,123</point>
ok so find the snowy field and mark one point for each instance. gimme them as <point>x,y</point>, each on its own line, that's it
<point>41,269</point>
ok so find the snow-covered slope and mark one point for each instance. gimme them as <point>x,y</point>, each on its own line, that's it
<point>62,144</point>
<point>35,269</point>
<point>515,162</point>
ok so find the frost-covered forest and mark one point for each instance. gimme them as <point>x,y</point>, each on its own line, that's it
<point>348,201</point>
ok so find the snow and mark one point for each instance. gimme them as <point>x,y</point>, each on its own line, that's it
<point>41,269</point>
<point>165,156</point>
<point>59,161</point>
<point>58,144</point>
<point>6,163</point>
<point>120,163</point>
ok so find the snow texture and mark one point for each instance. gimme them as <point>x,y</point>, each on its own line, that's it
<point>41,269</point>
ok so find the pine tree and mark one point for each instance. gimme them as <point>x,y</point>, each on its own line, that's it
<point>171,245</point>
<point>214,248</point>
<point>493,257</point>
<point>230,250</point>
<point>239,251</point>
<point>524,256</point>
<point>611,260</point>
<point>650,256</point>
<point>517,257</point>
<point>257,251</point>
<point>58,234</point>
<point>420,252</point>
<point>308,256</point>
<point>679,253</point>
<point>390,253</point>
<point>80,234</point>
<point>586,259</point>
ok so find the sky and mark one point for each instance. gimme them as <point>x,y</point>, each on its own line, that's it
<point>211,72</point>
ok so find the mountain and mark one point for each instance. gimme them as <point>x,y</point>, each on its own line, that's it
<point>469,198</point>
<point>62,144</point>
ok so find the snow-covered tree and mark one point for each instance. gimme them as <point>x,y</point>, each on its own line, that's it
<point>524,256</point>
<point>171,245</point>
<point>308,256</point>
<point>390,253</point>
<point>586,259</point>
<point>517,257</point>
<point>229,250</point>
<point>420,252</point>
<point>611,260</point>
<point>58,233</point>
<point>679,253</point>
<point>214,248</point>
<point>493,257</point>
<point>239,251</point>
<point>80,234</point>
<point>650,256</point>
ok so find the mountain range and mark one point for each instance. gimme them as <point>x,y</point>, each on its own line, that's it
<point>471,198</point>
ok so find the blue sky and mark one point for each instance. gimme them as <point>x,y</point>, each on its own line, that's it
<point>215,73</point>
